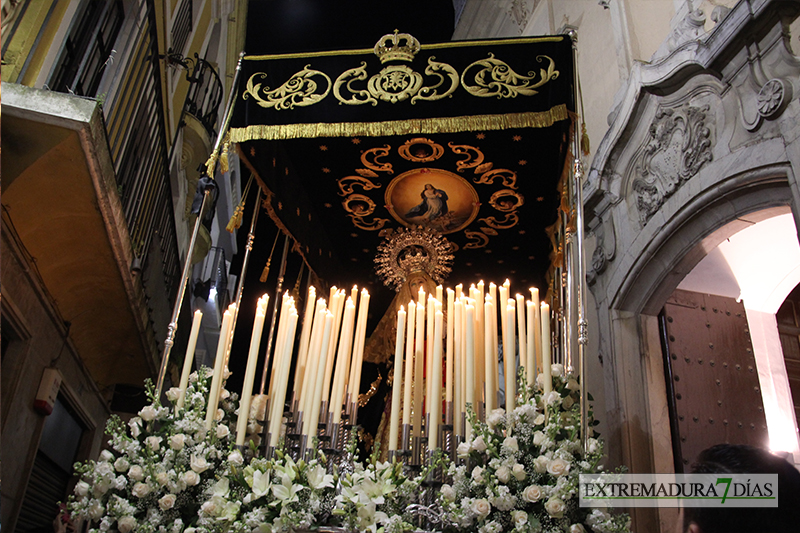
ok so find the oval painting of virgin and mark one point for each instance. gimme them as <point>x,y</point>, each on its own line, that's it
<point>432,198</point>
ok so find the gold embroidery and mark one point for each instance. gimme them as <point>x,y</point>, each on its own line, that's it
<point>506,200</point>
<point>467,150</point>
<point>395,83</point>
<point>496,78</point>
<point>511,220</point>
<point>359,96</point>
<point>367,173</point>
<point>477,239</point>
<point>367,396</point>
<point>299,91</point>
<point>431,93</point>
<point>376,165</point>
<point>509,177</point>
<point>534,119</point>
<point>347,183</point>
<point>420,150</point>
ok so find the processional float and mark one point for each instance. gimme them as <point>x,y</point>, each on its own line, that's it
<point>414,162</point>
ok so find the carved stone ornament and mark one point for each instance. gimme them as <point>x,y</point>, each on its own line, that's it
<point>678,146</point>
<point>771,97</point>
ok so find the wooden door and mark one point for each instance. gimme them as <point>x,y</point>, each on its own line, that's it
<point>712,379</point>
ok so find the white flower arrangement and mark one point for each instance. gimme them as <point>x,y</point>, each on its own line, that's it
<point>165,473</point>
<point>524,468</point>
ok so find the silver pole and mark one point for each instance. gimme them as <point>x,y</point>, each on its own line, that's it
<point>176,310</point>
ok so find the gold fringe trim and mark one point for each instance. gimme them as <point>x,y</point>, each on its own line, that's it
<point>537,119</point>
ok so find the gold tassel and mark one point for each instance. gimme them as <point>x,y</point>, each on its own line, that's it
<point>236,220</point>
<point>265,272</point>
<point>223,159</point>
<point>584,140</point>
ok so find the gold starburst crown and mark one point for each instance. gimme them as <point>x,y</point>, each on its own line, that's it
<point>409,250</point>
<point>396,47</point>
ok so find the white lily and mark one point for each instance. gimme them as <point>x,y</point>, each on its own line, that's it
<point>318,479</point>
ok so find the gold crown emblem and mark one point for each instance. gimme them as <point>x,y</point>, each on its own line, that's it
<point>396,47</point>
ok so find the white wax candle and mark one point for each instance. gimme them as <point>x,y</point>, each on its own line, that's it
<point>188,359</point>
<point>397,383</point>
<point>458,374</point>
<point>469,311</point>
<point>310,429</point>
<point>459,291</point>
<point>436,379</point>
<point>311,358</point>
<point>548,380</point>
<point>419,368</point>
<point>250,370</point>
<point>358,345</point>
<point>522,334</point>
<point>342,361</point>
<point>530,353</point>
<point>409,365</point>
<point>305,339</point>
<point>449,347</point>
<point>429,350</point>
<point>509,357</point>
<point>490,394</point>
<point>337,308</point>
<point>219,362</point>
<point>439,293</point>
<point>537,334</point>
<point>477,303</point>
<point>280,341</point>
<point>285,362</point>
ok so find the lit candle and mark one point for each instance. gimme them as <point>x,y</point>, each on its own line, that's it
<point>305,339</point>
<point>536,339</point>
<point>250,370</point>
<point>394,426</point>
<point>436,379</point>
<point>189,359</point>
<point>509,356</point>
<point>409,366</point>
<point>548,380</point>
<point>448,394</point>
<point>469,312</point>
<point>419,360</point>
<point>342,361</point>
<point>439,293</point>
<point>219,361</point>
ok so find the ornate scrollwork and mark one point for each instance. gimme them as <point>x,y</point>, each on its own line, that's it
<point>506,200</point>
<point>473,159</point>
<point>358,96</point>
<point>374,164</point>
<point>347,184</point>
<point>476,239</point>
<point>678,147</point>
<point>420,150</point>
<point>431,93</point>
<point>508,177</point>
<point>511,220</point>
<point>366,225</point>
<point>359,205</point>
<point>496,78</point>
<point>395,83</point>
<point>367,173</point>
<point>300,90</point>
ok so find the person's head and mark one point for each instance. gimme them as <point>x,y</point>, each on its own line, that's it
<point>428,187</point>
<point>743,459</point>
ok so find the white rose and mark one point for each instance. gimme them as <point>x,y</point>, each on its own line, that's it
<point>121,464</point>
<point>573,385</point>
<point>120,483</point>
<point>448,493</point>
<point>577,528</point>
<point>173,394</point>
<point>148,413</point>
<point>477,474</point>
<point>106,456</point>
<point>82,488</point>
<point>481,508</point>
<point>95,510</point>
<point>552,397</point>
<point>518,471</point>
<point>478,444</point>
<point>554,507</point>
<point>136,473</point>
<point>540,464</point>
<point>538,438</point>
<point>153,442</point>
<point>135,425</point>
<point>191,478</point>
<point>519,518</point>
<point>558,467</point>
<point>556,370</point>
<point>235,458</point>
<point>532,493</point>
<point>503,474</point>
<point>140,490</point>
<point>177,442</point>
<point>224,394</point>
<point>592,445</point>
<point>511,443</point>
<point>539,420</point>
<point>162,478</point>
<point>166,502</point>
<point>193,377</point>
<point>103,469</point>
<point>199,464</point>
<point>222,431</point>
<point>126,524</point>
<point>209,508</point>
<point>463,449</point>
<point>495,417</point>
